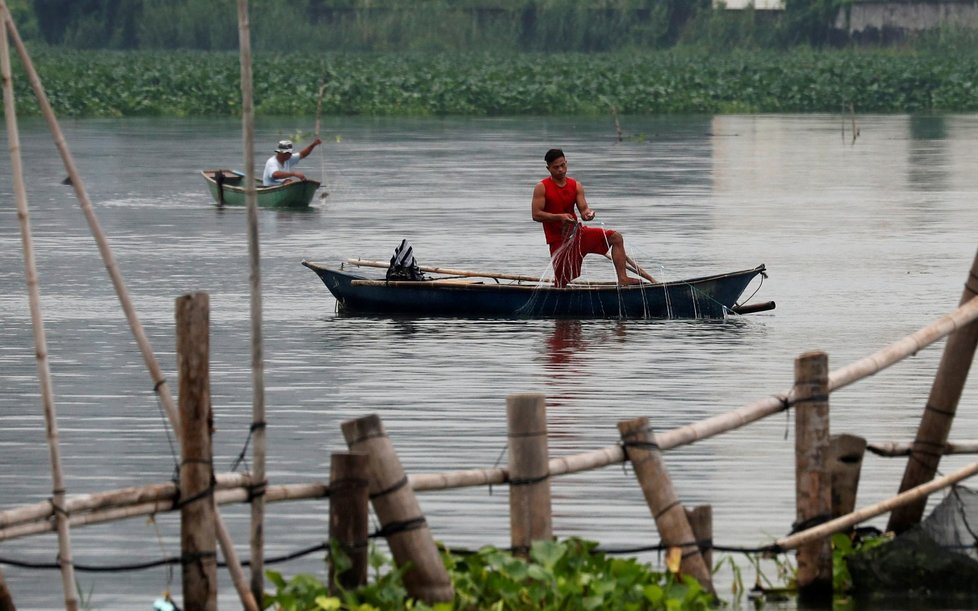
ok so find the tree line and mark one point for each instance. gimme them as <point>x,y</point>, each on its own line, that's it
<point>421,25</point>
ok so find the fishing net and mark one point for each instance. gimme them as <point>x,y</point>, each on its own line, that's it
<point>934,561</point>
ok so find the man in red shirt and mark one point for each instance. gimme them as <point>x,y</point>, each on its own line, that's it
<point>554,200</point>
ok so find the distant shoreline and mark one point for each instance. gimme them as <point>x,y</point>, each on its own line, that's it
<point>184,84</point>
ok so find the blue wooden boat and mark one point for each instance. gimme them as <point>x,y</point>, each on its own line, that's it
<point>527,297</point>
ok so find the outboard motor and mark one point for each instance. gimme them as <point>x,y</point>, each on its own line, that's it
<point>403,266</point>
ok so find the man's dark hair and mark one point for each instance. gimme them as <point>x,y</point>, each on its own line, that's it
<point>552,155</point>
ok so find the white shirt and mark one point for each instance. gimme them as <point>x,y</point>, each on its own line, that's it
<point>272,166</point>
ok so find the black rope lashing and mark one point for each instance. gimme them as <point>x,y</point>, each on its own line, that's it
<point>377,435</point>
<point>529,481</point>
<point>936,450</point>
<point>527,434</point>
<point>181,502</point>
<point>812,398</point>
<point>158,385</point>
<point>256,490</point>
<point>242,456</point>
<point>191,557</point>
<point>666,509</point>
<point>642,445</point>
<point>811,522</point>
<point>392,488</point>
<point>55,508</point>
<point>393,528</point>
<point>943,412</point>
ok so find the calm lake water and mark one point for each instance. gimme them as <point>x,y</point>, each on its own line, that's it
<point>864,242</point>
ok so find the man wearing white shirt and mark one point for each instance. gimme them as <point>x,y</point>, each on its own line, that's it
<point>278,168</point>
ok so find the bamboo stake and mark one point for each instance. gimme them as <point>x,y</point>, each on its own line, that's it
<point>257,350</point>
<point>529,485</point>
<point>942,404</point>
<point>450,271</point>
<point>667,512</point>
<point>197,523</point>
<point>159,382</point>
<point>37,324</point>
<point>845,462</point>
<point>349,508</point>
<point>848,521</point>
<point>700,519</point>
<point>813,484</point>
<point>397,508</point>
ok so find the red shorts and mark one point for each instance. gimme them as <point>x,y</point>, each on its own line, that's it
<point>567,256</point>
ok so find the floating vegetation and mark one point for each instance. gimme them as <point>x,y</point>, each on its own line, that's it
<point>179,84</point>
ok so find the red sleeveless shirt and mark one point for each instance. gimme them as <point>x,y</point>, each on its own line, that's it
<point>558,200</point>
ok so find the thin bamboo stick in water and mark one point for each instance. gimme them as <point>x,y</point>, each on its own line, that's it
<point>257,539</point>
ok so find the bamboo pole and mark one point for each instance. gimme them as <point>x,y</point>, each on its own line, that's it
<point>845,461</point>
<point>197,531</point>
<point>77,504</point>
<point>721,423</point>
<point>257,356</point>
<point>450,271</point>
<point>159,381</point>
<point>86,205</point>
<point>942,404</point>
<point>396,506</point>
<point>149,507</point>
<point>529,484</point>
<point>893,448</point>
<point>37,324</point>
<point>848,521</point>
<point>813,484</point>
<point>668,513</point>
<point>6,599</point>
<point>348,517</point>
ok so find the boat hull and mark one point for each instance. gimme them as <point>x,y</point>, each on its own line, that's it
<point>706,297</point>
<point>231,192</point>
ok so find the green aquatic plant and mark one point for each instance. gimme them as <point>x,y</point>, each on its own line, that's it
<point>568,575</point>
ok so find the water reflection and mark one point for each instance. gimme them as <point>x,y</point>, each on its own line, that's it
<point>927,168</point>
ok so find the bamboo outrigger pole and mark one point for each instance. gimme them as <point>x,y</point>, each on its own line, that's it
<point>254,259</point>
<point>37,323</point>
<point>942,404</point>
<point>108,259</point>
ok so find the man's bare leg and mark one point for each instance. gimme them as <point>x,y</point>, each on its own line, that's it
<point>618,259</point>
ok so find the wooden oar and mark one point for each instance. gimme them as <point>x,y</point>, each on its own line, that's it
<point>633,267</point>
<point>451,272</point>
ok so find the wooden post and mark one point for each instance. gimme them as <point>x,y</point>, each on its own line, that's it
<point>942,404</point>
<point>396,506</point>
<point>529,474</point>
<point>348,517</point>
<point>668,513</point>
<point>198,540</point>
<point>813,486</point>
<point>6,600</point>
<point>700,519</point>
<point>844,463</point>
<point>37,324</point>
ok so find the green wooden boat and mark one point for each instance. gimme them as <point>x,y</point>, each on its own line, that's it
<point>227,187</point>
